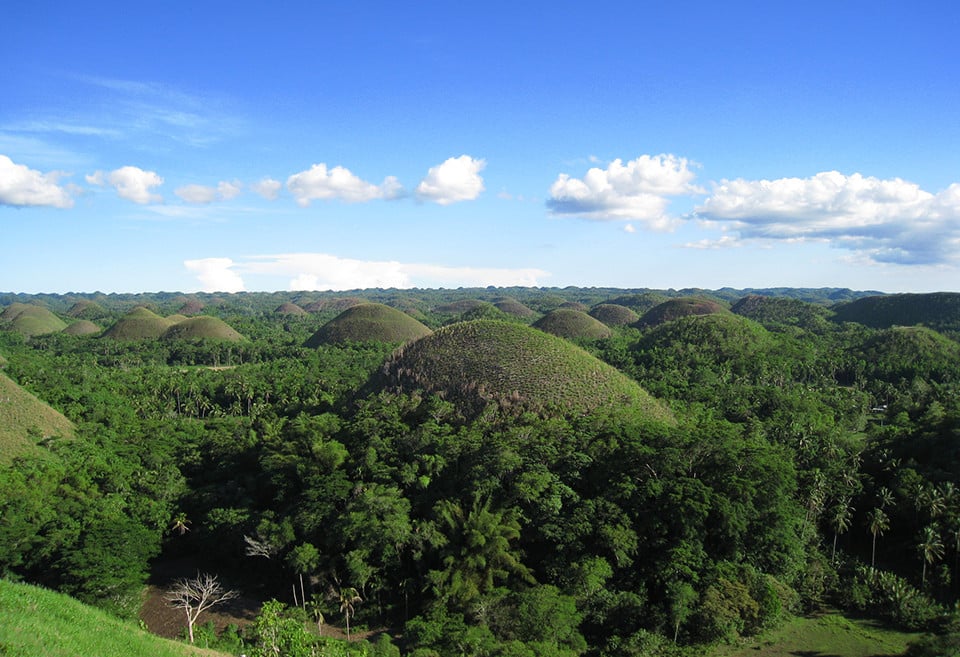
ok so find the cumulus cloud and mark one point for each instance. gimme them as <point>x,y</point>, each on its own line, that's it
<point>320,183</point>
<point>638,190</point>
<point>889,220</point>
<point>216,274</point>
<point>456,179</point>
<point>224,191</point>
<point>268,188</point>
<point>321,271</point>
<point>131,183</point>
<point>23,186</point>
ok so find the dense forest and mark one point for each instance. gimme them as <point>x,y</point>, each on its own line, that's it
<point>522,472</point>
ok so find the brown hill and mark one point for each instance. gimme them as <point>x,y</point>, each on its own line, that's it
<point>139,324</point>
<point>572,324</point>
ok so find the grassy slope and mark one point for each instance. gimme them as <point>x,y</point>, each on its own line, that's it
<point>38,622</point>
<point>369,322</point>
<point>21,412</point>
<point>830,635</point>
<point>470,362</point>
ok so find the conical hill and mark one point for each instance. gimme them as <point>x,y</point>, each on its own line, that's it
<point>676,308</point>
<point>31,320</point>
<point>474,363</point>
<point>202,327</point>
<point>138,324</point>
<point>613,314</point>
<point>369,322</point>
<point>572,324</point>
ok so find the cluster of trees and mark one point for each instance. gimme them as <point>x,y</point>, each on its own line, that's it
<point>804,470</point>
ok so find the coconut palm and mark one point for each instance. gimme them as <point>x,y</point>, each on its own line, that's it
<point>878,523</point>
<point>349,596</point>
<point>840,521</point>
<point>931,549</point>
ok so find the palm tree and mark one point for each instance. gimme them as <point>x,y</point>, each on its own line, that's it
<point>348,598</point>
<point>315,607</point>
<point>878,523</point>
<point>180,523</point>
<point>478,551</point>
<point>840,520</point>
<point>931,549</point>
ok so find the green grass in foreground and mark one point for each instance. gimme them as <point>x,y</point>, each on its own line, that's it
<point>829,635</point>
<point>38,623</point>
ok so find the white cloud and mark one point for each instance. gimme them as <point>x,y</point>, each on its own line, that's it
<point>23,186</point>
<point>338,183</point>
<point>131,183</point>
<point>268,188</point>
<point>638,190</point>
<point>321,271</point>
<point>216,274</point>
<point>887,220</point>
<point>456,179</point>
<point>224,191</point>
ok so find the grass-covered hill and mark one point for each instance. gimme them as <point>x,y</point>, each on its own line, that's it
<point>369,322</point>
<point>87,309</point>
<point>30,320</point>
<point>41,623</point>
<point>338,304</point>
<point>676,308</point>
<point>572,324</point>
<point>82,327</point>
<point>513,307</point>
<point>517,366</point>
<point>138,324</point>
<point>782,310</point>
<point>938,310</point>
<point>290,308</point>
<point>25,420</point>
<point>613,314</point>
<point>202,327</point>
<point>191,307</point>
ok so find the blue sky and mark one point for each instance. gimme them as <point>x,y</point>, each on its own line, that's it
<point>251,146</point>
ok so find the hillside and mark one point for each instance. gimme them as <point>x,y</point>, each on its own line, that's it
<point>369,322</point>
<point>937,310</point>
<point>572,324</point>
<point>613,314</point>
<point>139,324</point>
<point>676,308</point>
<point>202,327</point>
<point>37,622</point>
<point>25,420</point>
<point>30,320</point>
<point>771,311</point>
<point>474,363</point>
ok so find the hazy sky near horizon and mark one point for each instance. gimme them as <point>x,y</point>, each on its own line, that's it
<point>311,146</point>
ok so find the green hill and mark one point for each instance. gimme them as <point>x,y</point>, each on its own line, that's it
<point>613,314</point>
<point>572,324</point>
<point>25,420</point>
<point>31,320</point>
<point>459,306</point>
<point>640,303</point>
<point>87,309</point>
<point>771,311</point>
<point>369,322</point>
<point>903,353</point>
<point>202,327</point>
<point>82,327</point>
<point>139,324</point>
<point>937,310</point>
<point>676,308</point>
<point>517,366</point>
<point>37,622</point>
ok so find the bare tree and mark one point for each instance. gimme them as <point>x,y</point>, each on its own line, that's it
<point>196,595</point>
